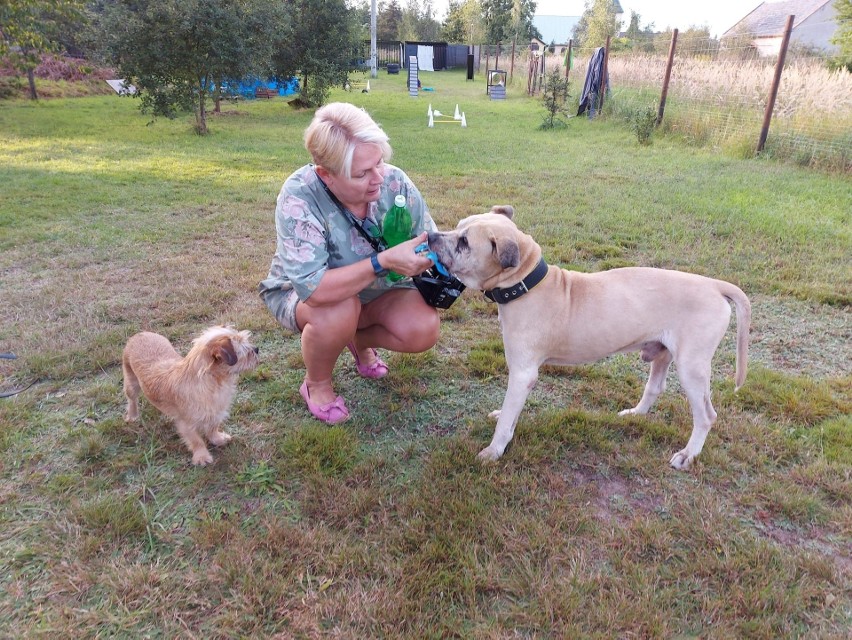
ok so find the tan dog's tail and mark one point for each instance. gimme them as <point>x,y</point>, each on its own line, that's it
<point>743,307</point>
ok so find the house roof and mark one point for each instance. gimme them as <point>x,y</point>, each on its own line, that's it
<point>555,29</point>
<point>770,18</point>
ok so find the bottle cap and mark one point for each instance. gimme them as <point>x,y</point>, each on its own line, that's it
<point>399,200</point>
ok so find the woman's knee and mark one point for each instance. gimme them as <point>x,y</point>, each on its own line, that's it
<point>423,330</point>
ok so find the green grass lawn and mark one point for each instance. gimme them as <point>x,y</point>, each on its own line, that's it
<point>386,526</point>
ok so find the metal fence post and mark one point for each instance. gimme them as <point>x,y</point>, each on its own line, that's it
<point>665,92</point>
<point>776,81</point>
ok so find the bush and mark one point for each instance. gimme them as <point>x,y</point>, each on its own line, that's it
<point>643,121</point>
<point>56,67</point>
<point>554,98</point>
<point>10,87</point>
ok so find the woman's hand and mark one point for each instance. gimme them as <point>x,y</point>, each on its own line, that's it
<point>404,260</point>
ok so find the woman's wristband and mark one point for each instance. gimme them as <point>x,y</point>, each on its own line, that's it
<point>378,269</point>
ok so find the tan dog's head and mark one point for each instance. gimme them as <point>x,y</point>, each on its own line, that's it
<point>224,351</point>
<point>487,250</point>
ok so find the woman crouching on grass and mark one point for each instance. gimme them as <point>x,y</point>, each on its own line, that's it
<point>328,276</point>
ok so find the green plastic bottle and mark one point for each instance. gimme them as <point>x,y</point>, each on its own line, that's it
<point>396,228</point>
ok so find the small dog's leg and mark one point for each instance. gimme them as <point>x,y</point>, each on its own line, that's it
<point>655,386</point>
<point>520,385</point>
<point>219,438</point>
<point>131,390</point>
<point>189,433</point>
<point>695,381</point>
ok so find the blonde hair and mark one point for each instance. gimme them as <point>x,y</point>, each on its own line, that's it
<point>336,130</point>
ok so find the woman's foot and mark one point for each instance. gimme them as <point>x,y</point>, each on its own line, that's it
<point>371,365</point>
<point>330,412</point>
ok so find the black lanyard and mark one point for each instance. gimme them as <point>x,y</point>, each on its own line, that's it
<point>377,243</point>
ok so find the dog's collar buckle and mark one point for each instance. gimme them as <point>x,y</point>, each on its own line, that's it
<point>507,294</point>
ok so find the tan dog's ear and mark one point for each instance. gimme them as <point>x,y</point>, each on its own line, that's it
<point>221,349</point>
<point>504,209</point>
<point>507,250</point>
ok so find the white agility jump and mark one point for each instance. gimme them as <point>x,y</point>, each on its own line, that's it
<point>458,118</point>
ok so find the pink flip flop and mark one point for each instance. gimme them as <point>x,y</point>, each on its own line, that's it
<point>330,413</point>
<point>374,371</point>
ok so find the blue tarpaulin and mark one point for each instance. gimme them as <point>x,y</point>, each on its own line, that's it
<point>247,86</point>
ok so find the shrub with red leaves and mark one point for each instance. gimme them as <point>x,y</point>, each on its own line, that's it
<point>57,67</point>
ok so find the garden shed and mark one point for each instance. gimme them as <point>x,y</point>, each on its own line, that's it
<point>431,56</point>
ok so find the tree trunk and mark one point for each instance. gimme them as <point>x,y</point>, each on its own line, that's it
<point>31,80</point>
<point>201,112</point>
<point>201,118</point>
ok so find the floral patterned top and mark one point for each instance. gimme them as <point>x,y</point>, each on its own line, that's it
<point>315,235</point>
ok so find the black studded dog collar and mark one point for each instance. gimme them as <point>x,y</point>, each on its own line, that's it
<point>507,294</point>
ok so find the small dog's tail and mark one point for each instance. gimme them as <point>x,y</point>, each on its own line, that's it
<point>743,307</point>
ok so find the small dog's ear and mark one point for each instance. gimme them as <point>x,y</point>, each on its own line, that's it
<point>507,252</point>
<point>221,349</point>
<point>504,209</point>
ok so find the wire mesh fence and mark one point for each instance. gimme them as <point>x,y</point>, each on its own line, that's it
<point>718,94</point>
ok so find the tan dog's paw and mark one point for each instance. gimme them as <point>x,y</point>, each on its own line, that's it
<point>202,458</point>
<point>132,412</point>
<point>494,415</point>
<point>488,454</point>
<point>682,460</point>
<point>219,438</point>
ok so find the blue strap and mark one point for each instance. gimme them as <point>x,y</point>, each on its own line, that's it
<point>424,248</point>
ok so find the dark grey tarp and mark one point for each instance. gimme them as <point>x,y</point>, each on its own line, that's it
<point>589,99</point>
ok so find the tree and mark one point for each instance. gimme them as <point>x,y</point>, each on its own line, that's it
<point>598,22</point>
<point>176,53</point>
<point>464,22</point>
<point>417,22</point>
<point>320,45</point>
<point>843,36</point>
<point>388,20</point>
<point>507,20</point>
<point>554,99</point>
<point>638,38</point>
<point>29,28</point>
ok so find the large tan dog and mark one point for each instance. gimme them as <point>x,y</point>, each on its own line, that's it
<point>196,391</point>
<point>550,315</point>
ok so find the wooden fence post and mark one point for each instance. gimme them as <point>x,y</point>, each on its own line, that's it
<point>776,81</point>
<point>665,93</point>
<point>568,60</point>
<point>604,83</point>
<point>512,63</point>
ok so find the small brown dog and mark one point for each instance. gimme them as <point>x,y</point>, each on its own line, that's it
<point>196,391</point>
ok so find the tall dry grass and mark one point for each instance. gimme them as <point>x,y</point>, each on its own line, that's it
<point>720,100</point>
<point>807,86</point>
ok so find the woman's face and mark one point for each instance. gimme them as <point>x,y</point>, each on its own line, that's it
<point>368,174</point>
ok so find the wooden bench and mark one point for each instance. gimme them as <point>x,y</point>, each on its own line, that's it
<point>265,93</point>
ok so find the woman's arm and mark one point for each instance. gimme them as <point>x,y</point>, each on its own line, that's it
<point>344,282</point>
